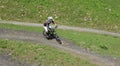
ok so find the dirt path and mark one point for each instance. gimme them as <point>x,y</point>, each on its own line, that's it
<point>67,46</point>
<point>65,27</point>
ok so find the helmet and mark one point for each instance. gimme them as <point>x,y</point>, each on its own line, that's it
<point>50,18</point>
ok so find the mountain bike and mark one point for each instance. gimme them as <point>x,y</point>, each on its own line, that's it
<point>51,34</point>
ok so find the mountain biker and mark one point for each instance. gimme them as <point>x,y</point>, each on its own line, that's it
<point>47,24</point>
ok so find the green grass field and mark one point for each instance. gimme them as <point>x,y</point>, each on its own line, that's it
<point>99,14</point>
<point>42,54</point>
<point>102,44</point>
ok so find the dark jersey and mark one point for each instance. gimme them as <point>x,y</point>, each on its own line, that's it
<point>48,22</point>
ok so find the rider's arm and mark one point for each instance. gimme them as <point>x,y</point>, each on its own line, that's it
<point>54,24</point>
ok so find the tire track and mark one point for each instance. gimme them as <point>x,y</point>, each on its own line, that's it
<point>65,28</point>
<point>68,46</point>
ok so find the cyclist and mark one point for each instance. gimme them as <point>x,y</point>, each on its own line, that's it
<point>47,26</point>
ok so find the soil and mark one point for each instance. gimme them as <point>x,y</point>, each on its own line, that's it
<point>68,46</point>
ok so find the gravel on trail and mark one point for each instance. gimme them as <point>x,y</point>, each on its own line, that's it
<point>38,38</point>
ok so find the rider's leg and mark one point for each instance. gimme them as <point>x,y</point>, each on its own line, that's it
<point>46,29</point>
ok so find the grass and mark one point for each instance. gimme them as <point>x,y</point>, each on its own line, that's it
<point>42,54</point>
<point>102,44</point>
<point>99,14</point>
<point>20,27</point>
